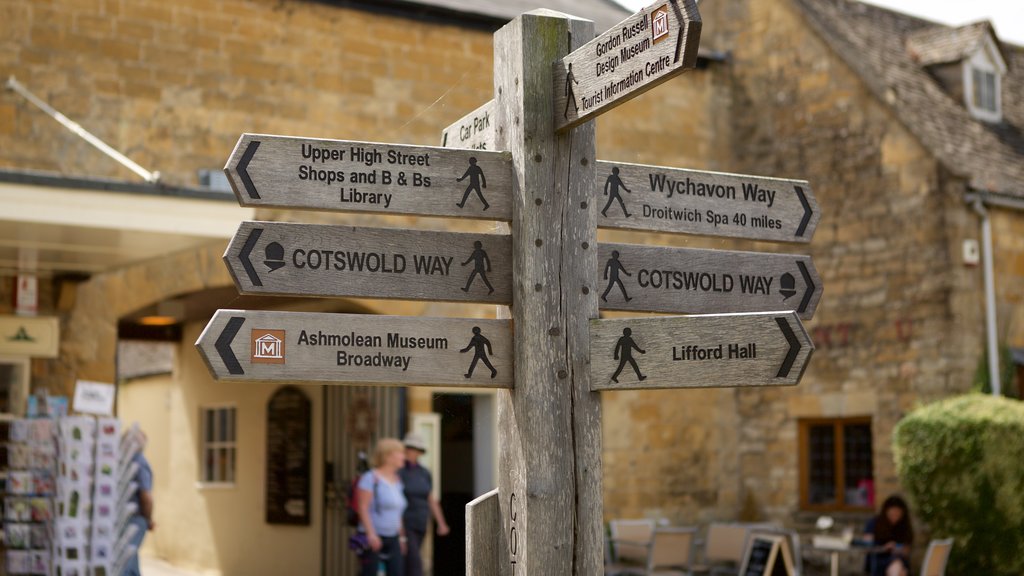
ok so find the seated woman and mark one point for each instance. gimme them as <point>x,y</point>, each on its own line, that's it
<point>891,535</point>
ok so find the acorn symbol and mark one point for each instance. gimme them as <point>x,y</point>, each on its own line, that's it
<point>275,256</point>
<point>787,286</point>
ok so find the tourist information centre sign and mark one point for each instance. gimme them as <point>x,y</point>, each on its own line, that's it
<point>650,47</point>
<point>554,353</point>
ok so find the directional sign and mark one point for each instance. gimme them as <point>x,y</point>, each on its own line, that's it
<point>351,348</point>
<point>767,349</point>
<point>313,260</point>
<point>284,172</point>
<point>638,197</point>
<point>688,280</point>
<point>654,45</point>
<point>475,130</point>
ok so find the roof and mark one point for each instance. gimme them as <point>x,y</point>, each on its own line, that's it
<point>873,41</point>
<point>604,13</point>
<point>942,45</point>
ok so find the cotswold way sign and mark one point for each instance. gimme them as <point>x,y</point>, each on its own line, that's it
<point>357,348</point>
<point>286,172</point>
<point>687,280</point>
<point>650,47</point>
<point>333,261</point>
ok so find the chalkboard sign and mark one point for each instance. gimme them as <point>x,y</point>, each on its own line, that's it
<point>289,426</point>
<point>767,555</point>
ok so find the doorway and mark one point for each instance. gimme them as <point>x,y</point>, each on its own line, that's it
<point>457,486</point>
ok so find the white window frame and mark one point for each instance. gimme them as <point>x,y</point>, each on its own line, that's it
<point>219,442</point>
<point>988,60</point>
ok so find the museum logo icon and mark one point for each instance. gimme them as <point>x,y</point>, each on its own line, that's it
<point>267,346</point>
<point>659,23</point>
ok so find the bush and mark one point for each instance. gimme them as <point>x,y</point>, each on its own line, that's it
<point>962,462</point>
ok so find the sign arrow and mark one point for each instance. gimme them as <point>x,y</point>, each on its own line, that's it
<point>223,345</point>
<point>357,348</point>
<point>660,199</point>
<point>337,261</point>
<point>723,350</point>
<point>350,176</point>
<point>650,47</point>
<point>687,280</point>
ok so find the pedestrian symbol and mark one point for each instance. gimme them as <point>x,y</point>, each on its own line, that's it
<point>614,182</point>
<point>624,353</point>
<point>481,265</point>
<point>570,96</point>
<point>611,274</point>
<point>476,179</point>
<point>481,347</point>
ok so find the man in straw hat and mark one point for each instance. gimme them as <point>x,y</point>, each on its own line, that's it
<point>422,504</point>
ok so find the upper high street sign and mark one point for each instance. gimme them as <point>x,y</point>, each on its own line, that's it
<point>654,45</point>
<point>341,175</point>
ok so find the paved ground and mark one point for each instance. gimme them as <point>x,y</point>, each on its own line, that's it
<point>156,567</point>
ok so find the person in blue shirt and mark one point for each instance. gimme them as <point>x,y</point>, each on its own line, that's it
<point>381,505</point>
<point>143,517</point>
<point>422,504</point>
<point>891,535</point>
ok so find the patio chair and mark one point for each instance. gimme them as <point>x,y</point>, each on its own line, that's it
<point>936,557</point>
<point>672,552</point>
<point>630,543</point>
<point>724,546</point>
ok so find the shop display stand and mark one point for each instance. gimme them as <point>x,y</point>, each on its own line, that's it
<point>28,496</point>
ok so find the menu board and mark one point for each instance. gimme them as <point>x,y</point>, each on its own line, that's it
<point>766,555</point>
<point>289,427</point>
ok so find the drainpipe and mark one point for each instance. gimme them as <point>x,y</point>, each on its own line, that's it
<point>990,295</point>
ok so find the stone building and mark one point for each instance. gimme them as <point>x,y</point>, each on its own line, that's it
<point>909,132</point>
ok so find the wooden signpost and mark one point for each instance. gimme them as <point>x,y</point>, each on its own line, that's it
<point>692,281</point>
<point>653,198</point>
<point>550,355</point>
<point>316,260</point>
<point>285,172</point>
<point>357,348</point>
<point>717,350</point>
<point>650,47</point>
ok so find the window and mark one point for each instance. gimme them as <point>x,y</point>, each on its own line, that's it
<point>836,465</point>
<point>984,84</point>
<point>218,445</point>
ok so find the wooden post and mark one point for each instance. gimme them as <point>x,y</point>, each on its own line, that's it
<point>550,453</point>
<point>482,552</point>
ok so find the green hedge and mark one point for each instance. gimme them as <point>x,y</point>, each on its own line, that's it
<point>962,462</point>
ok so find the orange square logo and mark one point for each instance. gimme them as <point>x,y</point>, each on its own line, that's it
<point>659,23</point>
<point>267,346</point>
